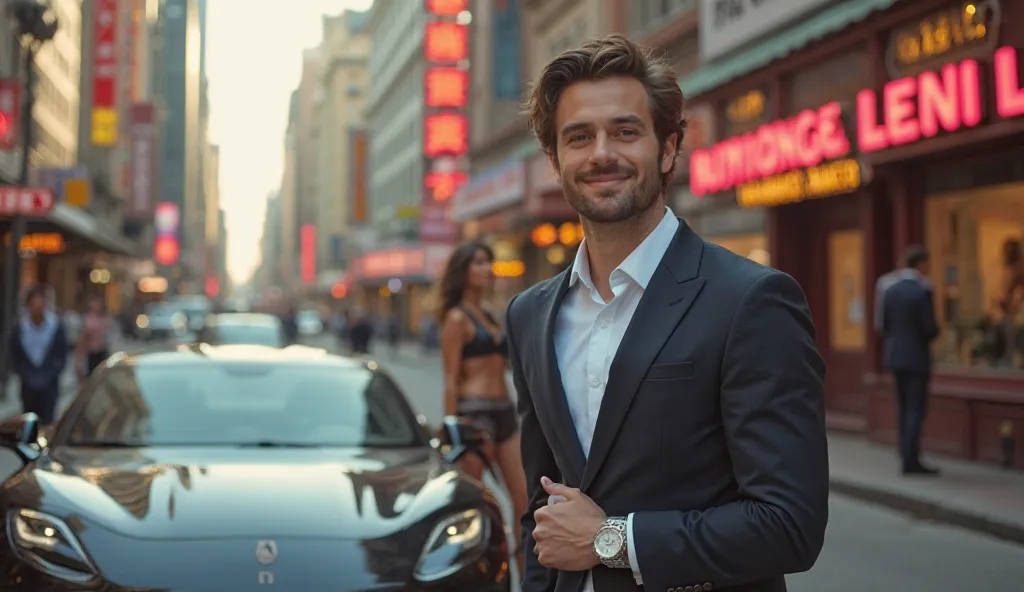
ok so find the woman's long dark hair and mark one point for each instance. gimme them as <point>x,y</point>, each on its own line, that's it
<point>453,282</point>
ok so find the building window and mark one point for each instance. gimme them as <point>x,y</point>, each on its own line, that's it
<point>977,265</point>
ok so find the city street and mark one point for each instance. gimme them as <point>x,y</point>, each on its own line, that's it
<point>867,547</point>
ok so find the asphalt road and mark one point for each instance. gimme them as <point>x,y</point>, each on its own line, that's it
<point>866,548</point>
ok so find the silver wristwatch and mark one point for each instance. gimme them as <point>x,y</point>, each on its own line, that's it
<point>610,543</point>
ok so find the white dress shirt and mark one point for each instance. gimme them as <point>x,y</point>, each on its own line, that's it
<point>588,332</point>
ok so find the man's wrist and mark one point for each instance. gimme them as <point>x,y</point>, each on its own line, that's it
<point>611,543</point>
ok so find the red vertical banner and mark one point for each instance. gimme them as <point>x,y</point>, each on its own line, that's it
<point>104,73</point>
<point>142,162</point>
<point>10,105</point>
<point>307,253</point>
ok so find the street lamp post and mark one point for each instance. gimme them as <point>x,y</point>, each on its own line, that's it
<point>36,25</point>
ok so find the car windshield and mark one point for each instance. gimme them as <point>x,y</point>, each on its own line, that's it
<point>269,334</point>
<point>241,403</point>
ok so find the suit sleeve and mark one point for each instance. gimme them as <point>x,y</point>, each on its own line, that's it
<point>772,405</point>
<point>929,326</point>
<point>538,461</point>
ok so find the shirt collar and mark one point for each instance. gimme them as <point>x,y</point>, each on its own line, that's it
<point>640,265</point>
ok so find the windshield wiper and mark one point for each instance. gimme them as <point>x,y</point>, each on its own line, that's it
<point>277,444</point>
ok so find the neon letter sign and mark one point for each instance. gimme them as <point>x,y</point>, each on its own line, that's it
<point>802,141</point>
<point>1009,95</point>
<point>918,106</point>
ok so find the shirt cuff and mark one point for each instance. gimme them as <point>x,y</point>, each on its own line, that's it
<point>631,551</point>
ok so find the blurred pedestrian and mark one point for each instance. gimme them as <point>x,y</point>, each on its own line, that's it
<point>94,344</point>
<point>360,332</point>
<point>290,322</point>
<point>39,353</point>
<point>474,355</point>
<point>908,328</point>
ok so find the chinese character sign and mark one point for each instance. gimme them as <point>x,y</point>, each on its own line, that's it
<point>446,42</point>
<point>104,74</point>
<point>447,7</point>
<point>444,184</point>
<point>445,134</point>
<point>446,87</point>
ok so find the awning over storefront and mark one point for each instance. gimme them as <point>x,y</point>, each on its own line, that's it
<point>81,225</point>
<point>780,44</point>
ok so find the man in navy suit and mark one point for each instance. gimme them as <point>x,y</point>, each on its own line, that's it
<point>909,327</point>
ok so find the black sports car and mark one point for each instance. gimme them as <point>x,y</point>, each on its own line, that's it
<point>245,468</point>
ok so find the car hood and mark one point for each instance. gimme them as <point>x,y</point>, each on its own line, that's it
<point>192,493</point>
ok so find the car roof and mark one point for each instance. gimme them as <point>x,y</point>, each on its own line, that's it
<point>245,318</point>
<point>191,354</point>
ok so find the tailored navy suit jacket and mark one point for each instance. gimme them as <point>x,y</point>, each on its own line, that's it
<point>711,430</point>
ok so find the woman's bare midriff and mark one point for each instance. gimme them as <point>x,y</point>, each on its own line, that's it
<point>483,377</point>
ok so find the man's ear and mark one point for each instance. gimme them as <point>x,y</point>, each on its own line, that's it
<point>553,163</point>
<point>669,153</point>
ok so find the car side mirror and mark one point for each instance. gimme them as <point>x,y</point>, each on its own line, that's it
<point>459,437</point>
<point>21,435</point>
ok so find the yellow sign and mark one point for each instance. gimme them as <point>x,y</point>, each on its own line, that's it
<point>944,31</point>
<point>44,243</point>
<point>104,127</point>
<point>831,178</point>
<point>746,108</point>
<point>76,192</point>
<point>508,268</point>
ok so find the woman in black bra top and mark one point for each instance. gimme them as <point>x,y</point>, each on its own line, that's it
<point>475,356</point>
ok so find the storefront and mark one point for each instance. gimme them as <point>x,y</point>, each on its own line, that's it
<point>903,129</point>
<point>399,281</point>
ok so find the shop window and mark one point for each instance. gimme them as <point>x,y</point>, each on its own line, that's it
<point>977,265</point>
<point>846,312</point>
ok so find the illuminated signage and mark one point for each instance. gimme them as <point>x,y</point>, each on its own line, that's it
<point>832,178</point>
<point>446,42</point>
<point>104,73</point>
<point>953,30</point>
<point>392,263</point>
<point>47,243</point>
<point>921,106</point>
<point>10,99</point>
<point>746,108</point>
<point>445,134</point>
<point>803,141</point>
<point>444,184</point>
<point>446,87</point>
<point>166,250</point>
<point>508,268</point>
<point>447,7</point>
<point>568,234</point>
<point>307,253</point>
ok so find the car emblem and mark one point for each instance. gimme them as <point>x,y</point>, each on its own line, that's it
<point>266,552</point>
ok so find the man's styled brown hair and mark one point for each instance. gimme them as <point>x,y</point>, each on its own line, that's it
<point>606,57</point>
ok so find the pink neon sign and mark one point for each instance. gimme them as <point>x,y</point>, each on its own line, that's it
<point>948,100</point>
<point>803,141</point>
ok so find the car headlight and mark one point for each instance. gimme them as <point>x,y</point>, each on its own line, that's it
<point>48,544</point>
<point>454,543</point>
<point>142,321</point>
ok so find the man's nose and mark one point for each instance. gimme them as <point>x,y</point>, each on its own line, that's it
<point>604,150</point>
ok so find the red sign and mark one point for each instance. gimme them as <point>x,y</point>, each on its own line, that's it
<point>25,201</point>
<point>446,42</point>
<point>104,57</point>
<point>391,263</point>
<point>10,104</point>
<point>799,142</point>
<point>921,106</point>
<point>436,223</point>
<point>443,185</point>
<point>166,250</point>
<point>447,7</point>
<point>141,198</point>
<point>307,254</point>
<point>445,134</point>
<point>446,87</point>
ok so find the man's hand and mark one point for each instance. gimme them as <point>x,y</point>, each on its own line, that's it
<point>565,530</point>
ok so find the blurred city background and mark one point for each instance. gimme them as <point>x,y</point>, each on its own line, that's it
<point>324,157</point>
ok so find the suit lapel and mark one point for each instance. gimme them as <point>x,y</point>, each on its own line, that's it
<point>555,400</point>
<point>669,295</point>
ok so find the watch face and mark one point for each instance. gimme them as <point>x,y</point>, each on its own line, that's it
<point>608,543</point>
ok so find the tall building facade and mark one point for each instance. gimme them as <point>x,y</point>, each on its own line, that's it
<point>180,91</point>
<point>288,247</point>
<point>343,86</point>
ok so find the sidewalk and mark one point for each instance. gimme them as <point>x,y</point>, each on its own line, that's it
<point>970,495</point>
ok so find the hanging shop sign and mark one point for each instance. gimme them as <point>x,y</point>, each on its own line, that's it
<point>811,155</point>
<point>965,29</point>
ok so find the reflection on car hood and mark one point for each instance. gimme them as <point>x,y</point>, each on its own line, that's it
<point>196,493</point>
